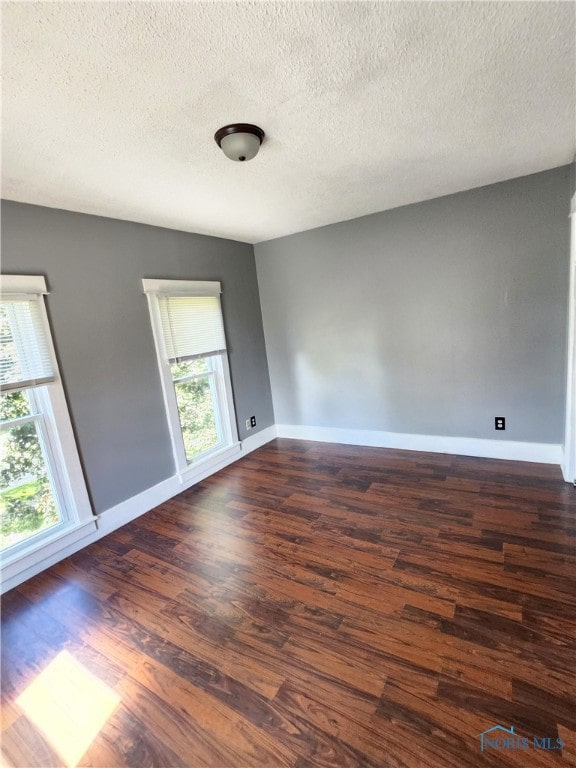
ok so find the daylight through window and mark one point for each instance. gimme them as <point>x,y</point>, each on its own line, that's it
<point>191,345</point>
<point>36,494</point>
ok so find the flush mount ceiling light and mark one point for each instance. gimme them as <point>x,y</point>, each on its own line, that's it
<point>239,141</point>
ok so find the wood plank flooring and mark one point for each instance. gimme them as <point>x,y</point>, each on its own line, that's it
<point>311,605</point>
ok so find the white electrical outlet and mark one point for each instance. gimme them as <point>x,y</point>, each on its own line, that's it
<point>248,425</point>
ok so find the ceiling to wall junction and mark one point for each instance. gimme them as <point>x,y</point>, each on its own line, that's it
<point>110,108</point>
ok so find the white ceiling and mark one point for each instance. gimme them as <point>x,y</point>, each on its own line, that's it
<point>110,108</point>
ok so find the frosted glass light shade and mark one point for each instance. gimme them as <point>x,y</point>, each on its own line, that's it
<point>240,146</point>
<point>239,141</point>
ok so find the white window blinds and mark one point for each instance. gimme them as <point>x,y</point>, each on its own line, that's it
<point>25,357</point>
<point>192,326</point>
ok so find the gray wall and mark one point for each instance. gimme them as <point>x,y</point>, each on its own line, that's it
<point>428,319</point>
<point>101,326</point>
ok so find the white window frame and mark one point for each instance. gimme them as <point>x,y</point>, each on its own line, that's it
<point>154,289</point>
<point>63,465</point>
<point>569,459</point>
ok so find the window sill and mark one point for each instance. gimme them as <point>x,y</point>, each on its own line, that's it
<point>210,464</point>
<point>15,563</point>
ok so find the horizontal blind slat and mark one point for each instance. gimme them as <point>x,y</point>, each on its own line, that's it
<point>192,326</point>
<point>25,358</point>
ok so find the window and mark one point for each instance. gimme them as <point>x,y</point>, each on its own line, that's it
<point>29,501</point>
<point>191,347</point>
<point>42,492</point>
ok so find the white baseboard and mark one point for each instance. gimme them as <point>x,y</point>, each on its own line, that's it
<point>252,442</point>
<point>567,467</point>
<point>120,514</point>
<point>542,453</point>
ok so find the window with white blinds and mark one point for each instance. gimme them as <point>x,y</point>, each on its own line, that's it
<point>191,326</point>
<point>44,504</point>
<point>25,356</point>
<point>190,342</point>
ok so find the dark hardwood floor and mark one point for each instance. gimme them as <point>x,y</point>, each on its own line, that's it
<point>311,605</point>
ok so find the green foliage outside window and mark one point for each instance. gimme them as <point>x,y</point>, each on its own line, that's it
<point>196,406</point>
<point>27,503</point>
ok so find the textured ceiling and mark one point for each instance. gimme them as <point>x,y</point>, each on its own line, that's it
<point>110,108</point>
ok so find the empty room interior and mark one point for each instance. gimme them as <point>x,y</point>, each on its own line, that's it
<point>287,330</point>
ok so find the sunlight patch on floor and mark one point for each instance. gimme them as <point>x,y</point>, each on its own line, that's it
<point>69,705</point>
